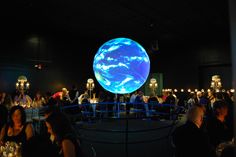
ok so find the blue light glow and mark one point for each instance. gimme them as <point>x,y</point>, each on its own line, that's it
<point>121,65</point>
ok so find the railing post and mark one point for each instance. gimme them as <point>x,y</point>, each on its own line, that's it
<point>126,136</point>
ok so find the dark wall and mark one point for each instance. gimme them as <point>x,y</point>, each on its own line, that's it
<point>190,64</point>
<point>67,59</point>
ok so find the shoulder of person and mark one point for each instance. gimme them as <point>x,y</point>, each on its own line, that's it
<point>28,127</point>
<point>67,144</point>
<point>3,130</point>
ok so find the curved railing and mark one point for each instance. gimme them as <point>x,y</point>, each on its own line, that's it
<point>172,113</point>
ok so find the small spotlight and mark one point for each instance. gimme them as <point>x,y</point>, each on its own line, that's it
<point>182,90</point>
<point>38,66</point>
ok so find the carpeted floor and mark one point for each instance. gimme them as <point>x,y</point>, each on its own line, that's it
<point>145,137</point>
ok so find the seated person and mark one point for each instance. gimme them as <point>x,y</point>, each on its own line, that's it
<point>189,139</point>
<point>61,132</point>
<point>17,130</point>
<point>40,145</point>
<point>152,101</point>
<point>216,127</point>
<point>38,100</point>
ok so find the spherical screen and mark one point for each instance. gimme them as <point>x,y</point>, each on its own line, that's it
<point>121,65</point>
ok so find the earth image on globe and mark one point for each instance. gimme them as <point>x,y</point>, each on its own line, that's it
<point>121,65</point>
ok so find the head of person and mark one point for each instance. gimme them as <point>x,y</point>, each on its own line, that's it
<point>49,110</point>
<point>64,92</point>
<point>220,108</point>
<point>195,114</point>
<point>38,95</point>
<point>211,93</point>
<point>17,115</point>
<point>219,96</point>
<point>169,93</point>
<point>192,95</point>
<point>140,93</point>
<point>58,125</point>
<point>3,95</point>
<point>199,94</point>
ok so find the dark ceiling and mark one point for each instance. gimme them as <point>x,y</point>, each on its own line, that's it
<point>69,27</point>
<point>165,20</point>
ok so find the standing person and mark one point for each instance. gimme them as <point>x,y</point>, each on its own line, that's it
<point>61,98</point>
<point>62,133</point>
<point>212,98</point>
<point>192,99</point>
<point>7,101</point>
<point>152,101</point>
<point>17,130</point>
<point>216,126</point>
<point>133,97</point>
<point>38,101</point>
<point>189,139</point>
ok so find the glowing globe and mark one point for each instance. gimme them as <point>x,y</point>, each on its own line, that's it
<point>121,65</point>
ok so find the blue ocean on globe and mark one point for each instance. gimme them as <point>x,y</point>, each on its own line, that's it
<point>121,66</point>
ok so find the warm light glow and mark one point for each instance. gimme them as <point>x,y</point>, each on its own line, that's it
<point>182,90</point>
<point>90,86</point>
<point>216,82</point>
<point>196,90</point>
<point>175,90</point>
<point>22,83</point>
<point>34,40</point>
<point>90,80</point>
<point>189,90</point>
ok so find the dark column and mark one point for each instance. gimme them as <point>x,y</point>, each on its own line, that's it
<point>232,14</point>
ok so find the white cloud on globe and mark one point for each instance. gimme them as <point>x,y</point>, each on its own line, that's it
<point>121,65</point>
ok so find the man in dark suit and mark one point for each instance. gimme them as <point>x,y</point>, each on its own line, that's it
<point>217,128</point>
<point>189,139</point>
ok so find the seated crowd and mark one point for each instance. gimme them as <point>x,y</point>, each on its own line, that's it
<point>209,120</point>
<point>59,139</point>
<point>203,134</point>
